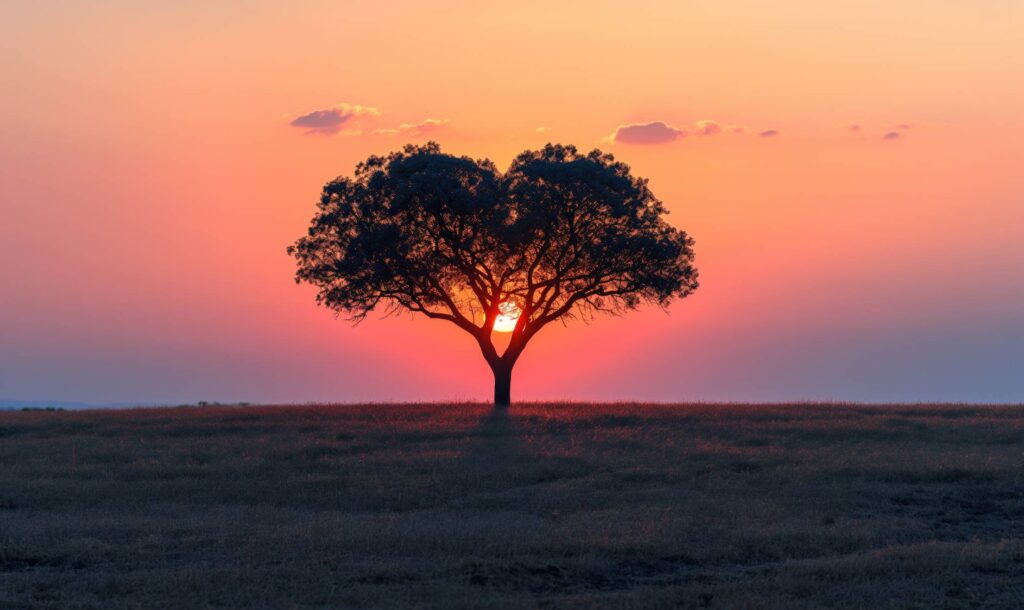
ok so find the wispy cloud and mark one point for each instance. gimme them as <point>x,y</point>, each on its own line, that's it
<point>415,130</point>
<point>660,132</point>
<point>543,129</point>
<point>355,120</point>
<point>331,121</point>
<point>893,132</point>
<point>768,133</point>
<point>708,128</point>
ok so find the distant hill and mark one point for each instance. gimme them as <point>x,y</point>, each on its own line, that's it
<point>61,404</point>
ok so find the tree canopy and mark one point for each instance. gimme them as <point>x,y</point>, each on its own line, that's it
<point>560,234</point>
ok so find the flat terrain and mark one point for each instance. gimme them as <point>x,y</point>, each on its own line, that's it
<point>564,506</point>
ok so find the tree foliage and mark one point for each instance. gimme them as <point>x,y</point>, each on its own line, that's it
<point>561,234</point>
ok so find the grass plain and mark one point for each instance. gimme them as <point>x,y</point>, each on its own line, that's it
<point>547,506</point>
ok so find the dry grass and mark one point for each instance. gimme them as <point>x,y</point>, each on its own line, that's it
<point>569,506</point>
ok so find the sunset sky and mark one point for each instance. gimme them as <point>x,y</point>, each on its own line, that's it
<point>851,173</point>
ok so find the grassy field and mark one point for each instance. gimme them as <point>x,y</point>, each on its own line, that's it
<point>562,506</point>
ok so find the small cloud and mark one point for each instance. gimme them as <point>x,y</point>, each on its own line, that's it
<point>543,130</point>
<point>415,130</point>
<point>903,126</point>
<point>659,132</point>
<point>708,128</point>
<point>331,120</point>
<point>892,135</point>
<point>851,126</point>
<point>656,132</point>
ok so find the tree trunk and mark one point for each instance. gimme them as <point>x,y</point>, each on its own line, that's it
<point>502,385</point>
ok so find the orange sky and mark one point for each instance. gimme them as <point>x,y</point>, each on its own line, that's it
<point>150,181</point>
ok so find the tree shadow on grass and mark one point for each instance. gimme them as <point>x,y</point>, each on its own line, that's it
<point>495,445</point>
<point>512,451</point>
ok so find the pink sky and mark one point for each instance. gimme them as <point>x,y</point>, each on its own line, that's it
<point>150,180</point>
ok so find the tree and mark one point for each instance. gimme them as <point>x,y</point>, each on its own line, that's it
<point>559,235</point>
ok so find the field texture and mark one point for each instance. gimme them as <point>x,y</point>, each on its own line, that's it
<point>561,506</point>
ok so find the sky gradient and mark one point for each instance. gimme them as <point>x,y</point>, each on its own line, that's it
<point>850,171</point>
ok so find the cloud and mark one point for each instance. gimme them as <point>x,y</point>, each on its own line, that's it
<point>331,120</point>
<point>543,129</point>
<point>892,135</point>
<point>851,126</point>
<point>903,126</point>
<point>656,132</point>
<point>708,128</point>
<point>415,130</point>
<point>659,132</point>
<point>355,120</point>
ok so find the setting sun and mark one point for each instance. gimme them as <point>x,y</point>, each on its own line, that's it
<point>506,320</point>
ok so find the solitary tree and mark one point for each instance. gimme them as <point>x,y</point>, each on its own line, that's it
<point>559,235</point>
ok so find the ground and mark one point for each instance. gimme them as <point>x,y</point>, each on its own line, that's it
<point>560,506</point>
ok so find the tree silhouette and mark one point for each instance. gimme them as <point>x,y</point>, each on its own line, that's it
<point>559,235</point>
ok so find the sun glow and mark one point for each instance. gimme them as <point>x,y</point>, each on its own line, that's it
<point>507,316</point>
